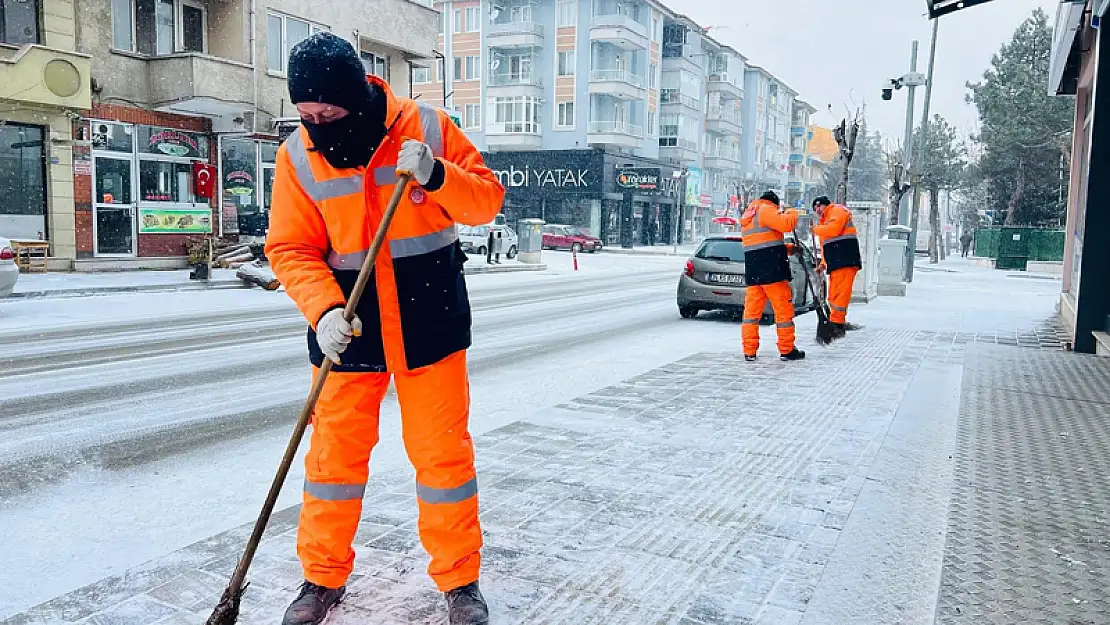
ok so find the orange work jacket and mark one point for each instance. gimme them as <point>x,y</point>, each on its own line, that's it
<point>415,311</point>
<point>762,227</point>
<point>839,240</point>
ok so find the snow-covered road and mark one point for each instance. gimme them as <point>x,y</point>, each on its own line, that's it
<point>132,425</point>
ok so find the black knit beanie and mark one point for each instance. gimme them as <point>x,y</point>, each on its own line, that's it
<point>771,197</point>
<point>325,68</point>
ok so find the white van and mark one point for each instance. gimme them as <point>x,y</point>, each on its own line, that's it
<point>474,239</point>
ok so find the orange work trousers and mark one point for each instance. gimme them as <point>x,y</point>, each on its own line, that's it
<point>840,293</point>
<point>435,410</point>
<point>782,302</point>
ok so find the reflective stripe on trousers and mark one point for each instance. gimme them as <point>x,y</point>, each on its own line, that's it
<point>782,302</point>
<point>398,248</point>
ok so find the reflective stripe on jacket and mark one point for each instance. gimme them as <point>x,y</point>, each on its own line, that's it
<point>765,258</point>
<point>415,311</point>
<point>839,240</point>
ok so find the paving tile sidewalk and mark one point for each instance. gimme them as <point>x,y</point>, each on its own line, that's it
<point>904,476</point>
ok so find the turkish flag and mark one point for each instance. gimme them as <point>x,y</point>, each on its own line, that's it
<point>204,179</point>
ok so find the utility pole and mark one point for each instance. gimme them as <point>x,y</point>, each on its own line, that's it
<point>903,207</point>
<point>919,165</point>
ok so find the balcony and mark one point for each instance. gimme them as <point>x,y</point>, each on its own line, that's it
<point>673,97</point>
<point>684,151</point>
<point>722,161</point>
<point>682,56</point>
<point>508,85</point>
<point>45,76</point>
<point>798,131</point>
<point>615,133</point>
<point>618,83</point>
<point>723,121</point>
<point>515,35</point>
<point>796,157</point>
<point>621,31</point>
<point>720,83</point>
<point>514,135</point>
<point>198,84</point>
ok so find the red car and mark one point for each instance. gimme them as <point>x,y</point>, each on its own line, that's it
<point>562,237</point>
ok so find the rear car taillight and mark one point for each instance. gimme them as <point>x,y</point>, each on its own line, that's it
<point>6,253</point>
<point>689,271</point>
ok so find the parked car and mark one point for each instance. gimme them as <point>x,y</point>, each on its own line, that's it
<point>9,273</point>
<point>714,278</point>
<point>563,237</point>
<point>474,239</point>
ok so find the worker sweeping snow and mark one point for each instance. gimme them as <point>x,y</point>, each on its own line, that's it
<point>333,177</point>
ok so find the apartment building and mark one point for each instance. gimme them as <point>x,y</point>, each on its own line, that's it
<point>800,162</point>
<point>767,116</point>
<point>44,85</point>
<point>181,133</point>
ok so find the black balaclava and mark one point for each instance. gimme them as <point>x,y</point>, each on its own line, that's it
<point>325,68</point>
<point>771,197</point>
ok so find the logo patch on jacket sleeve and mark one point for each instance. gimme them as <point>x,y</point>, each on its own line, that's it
<point>418,196</point>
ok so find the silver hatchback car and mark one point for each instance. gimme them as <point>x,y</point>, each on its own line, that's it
<point>714,279</point>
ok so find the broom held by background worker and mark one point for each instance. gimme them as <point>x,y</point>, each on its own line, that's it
<point>767,273</point>
<point>334,177</point>
<point>841,255</point>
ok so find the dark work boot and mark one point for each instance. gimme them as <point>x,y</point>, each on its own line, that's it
<point>751,357</point>
<point>465,606</point>
<point>311,607</point>
<point>797,354</point>
<point>852,327</point>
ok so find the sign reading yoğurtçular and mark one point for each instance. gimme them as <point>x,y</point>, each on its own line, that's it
<point>641,178</point>
<point>175,221</point>
<point>238,182</point>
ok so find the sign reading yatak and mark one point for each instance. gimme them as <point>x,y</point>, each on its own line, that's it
<point>548,173</point>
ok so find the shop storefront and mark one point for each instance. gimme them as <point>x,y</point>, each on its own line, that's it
<point>580,188</point>
<point>246,183</point>
<point>150,188</point>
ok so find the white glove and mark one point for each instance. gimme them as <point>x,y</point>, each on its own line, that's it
<point>333,333</point>
<point>416,159</point>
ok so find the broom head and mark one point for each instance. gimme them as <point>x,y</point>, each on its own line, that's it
<point>227,610</point>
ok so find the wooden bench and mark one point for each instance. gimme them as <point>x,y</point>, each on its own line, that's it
<point>30,256</point>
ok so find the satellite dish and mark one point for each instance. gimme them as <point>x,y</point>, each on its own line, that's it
<point>494,64</point>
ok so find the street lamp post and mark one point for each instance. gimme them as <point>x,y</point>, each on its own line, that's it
<point>919,166</point>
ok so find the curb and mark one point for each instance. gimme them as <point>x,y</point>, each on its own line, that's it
<point>146,288</point>
<point>634,252</point>
<point>481,269</point>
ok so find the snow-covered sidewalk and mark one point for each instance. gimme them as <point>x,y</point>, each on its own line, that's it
<point>710,491</point>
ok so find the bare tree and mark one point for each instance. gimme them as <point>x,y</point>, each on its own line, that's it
<point>845,135</point>
<point>899,176</point>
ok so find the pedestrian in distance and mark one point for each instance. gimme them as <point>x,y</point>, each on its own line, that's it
<point>413,324</point>
<point>498,243</point>
<point>490,241</point>
<point>965,243</point>
<point>767,272</point>
<point>841,257</point>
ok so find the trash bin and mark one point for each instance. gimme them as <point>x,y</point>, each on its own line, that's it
<point>530,244</point>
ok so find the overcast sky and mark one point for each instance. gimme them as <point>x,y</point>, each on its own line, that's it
<point>840,51</point>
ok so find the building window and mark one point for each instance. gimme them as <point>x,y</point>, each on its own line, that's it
<point>19,21</point>
<point>421,75</point>
<point>23,181</point>
<point>441,71</point>
<point>153,27</point>
<point>564,117</point>
<point>655,29</point>
<point>442,22</point>
<point>458,74</point>
<point>283,32</point>
<point>472,116</point>
<point>773,96</point>
<point>375,64</point>
<point>460,26</point>
<point>651,123</point>
<point>520,14</point>
<point>568,13</point>
<point>519,114</point>
<point>473,68</point>
<point>566,63</point>
<point>653,73</point>
<point>473,19</point>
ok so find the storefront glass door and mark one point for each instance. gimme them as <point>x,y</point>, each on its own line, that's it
<point>114,207</point>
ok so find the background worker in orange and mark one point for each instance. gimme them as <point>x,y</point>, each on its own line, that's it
<point>334,177</point>
<point>840,252</point>
<point>767,274</point>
